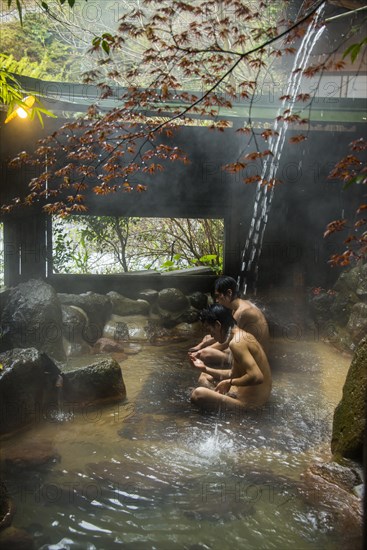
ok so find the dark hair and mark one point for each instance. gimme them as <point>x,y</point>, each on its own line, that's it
<point>216,312</point>
<point>226,283</point>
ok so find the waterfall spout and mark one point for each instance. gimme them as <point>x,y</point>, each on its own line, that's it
<point>247,280</point>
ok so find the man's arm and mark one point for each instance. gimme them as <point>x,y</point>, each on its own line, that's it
<point>222,374</point>
<point>216,373</point>
<point>205,342</point>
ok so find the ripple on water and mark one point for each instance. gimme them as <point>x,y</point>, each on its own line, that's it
<point>158,474</point>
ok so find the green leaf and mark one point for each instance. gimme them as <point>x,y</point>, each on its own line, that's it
<point>44,5</point>
<point>40,118</point>
<point>71,3</point>
<point>354,50</point>
<point>208,258</point>
<point>168,263</point>
<point>105,46</point>
<point>356,180</point>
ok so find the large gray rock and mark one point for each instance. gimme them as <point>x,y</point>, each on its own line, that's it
<point>348,280</point>
<point>128,328</point>
<point>149,295</point>
<point>357,323</point>
<point>16,539</point>
<point>172,300</point>
<point>126,306</point>
<point>7,508</point>
<point>97,307</point>
<point>340,314</point>
<point>74,323</point>
<point>349,421</point>
<point>329,486</point>
<point>75,326</point>
<point>32,318</point>
<point>98,382</point>
<point>198,300</point>
<point>27,387</point>
<point>362,283</point>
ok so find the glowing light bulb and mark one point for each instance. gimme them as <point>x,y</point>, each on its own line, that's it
<point>21,112</point>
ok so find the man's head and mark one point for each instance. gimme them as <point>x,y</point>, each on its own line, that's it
<point>225,290</point>
<point>218,320</point>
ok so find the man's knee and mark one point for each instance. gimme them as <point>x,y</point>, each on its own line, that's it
<point>205,354</point>
<point>198,395</point>
<point>204,378</point>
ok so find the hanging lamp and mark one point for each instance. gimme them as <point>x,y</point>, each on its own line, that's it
<point>22,111</point>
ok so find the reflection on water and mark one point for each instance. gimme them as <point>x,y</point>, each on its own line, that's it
<point>154,473</point>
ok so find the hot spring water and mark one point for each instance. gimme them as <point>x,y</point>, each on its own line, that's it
<point>154,473</point>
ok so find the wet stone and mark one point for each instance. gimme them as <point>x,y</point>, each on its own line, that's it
<point>126,306</point>
<point>30,455</point>
<point>100,381</point>
<point>107,345</point>
<point>16,539</point>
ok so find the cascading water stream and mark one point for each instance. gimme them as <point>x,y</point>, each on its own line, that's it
<point>264,193</point>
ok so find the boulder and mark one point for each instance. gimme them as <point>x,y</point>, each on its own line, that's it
<point>32,318</point>
<point>328,486</point>
<point>117,327</point>
<point>362,283</point>
<point>28,381</point>
<point>149,295</point>
<point>75,328</point>
<point>108,345</point>
<point>125,306</point>
<point>74,322</point>
<point>320,305</point>
<point>170,319</point>
<point>348,281</point>
<point>190,315</point>
<point>189,330</point>
<point>16,539</point>
<point>172,300</point>
<point>357,324</point>
<point>341,307</point>
<point>122,329</point>
<point>97,307</point>
<point>7,508</point>
<point>159,335</point>
<point>77,349</point>
<point>198,300</point>
<point>349,420</point>
<point>29,455</point>
<point>98,382</point>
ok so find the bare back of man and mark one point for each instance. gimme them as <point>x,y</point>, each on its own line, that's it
<point>252,320</point>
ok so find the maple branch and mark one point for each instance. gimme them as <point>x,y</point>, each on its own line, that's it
<point>231,69</point>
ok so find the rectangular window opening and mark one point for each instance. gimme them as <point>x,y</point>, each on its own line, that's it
<point>113,244</point>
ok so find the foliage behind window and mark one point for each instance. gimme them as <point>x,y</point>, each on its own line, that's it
<point>106,244</point>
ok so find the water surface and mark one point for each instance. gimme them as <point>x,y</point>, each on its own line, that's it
<point>154,473</point>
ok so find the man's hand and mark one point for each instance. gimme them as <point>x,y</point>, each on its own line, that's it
<point>223,386</point>
<point>198,363</point>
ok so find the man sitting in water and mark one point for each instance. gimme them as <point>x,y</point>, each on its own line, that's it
<point>247,316</point>
<point>247,384</point>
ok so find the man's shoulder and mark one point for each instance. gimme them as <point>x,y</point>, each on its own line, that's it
<point>240,339</point>
<point>247,311</point>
